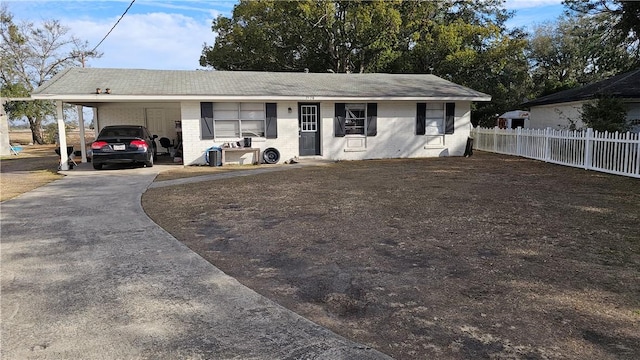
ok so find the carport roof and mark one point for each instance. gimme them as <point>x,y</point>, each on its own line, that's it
<point>80,84</point>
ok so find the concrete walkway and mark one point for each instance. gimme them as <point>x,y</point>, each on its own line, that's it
<point>85,274</point>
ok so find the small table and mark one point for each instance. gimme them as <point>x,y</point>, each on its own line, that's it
<point>255,151</point>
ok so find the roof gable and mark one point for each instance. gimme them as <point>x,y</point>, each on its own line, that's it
<point>625,85</point>
<point>76,83</point>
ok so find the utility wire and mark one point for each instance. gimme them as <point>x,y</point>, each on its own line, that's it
<point>114,26</point>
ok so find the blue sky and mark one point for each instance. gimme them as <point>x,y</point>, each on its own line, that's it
<point>159,34</point>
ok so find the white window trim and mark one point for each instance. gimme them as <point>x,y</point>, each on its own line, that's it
<point>302,125</point>
<point>239,120</point>
<point>441,121</point>
<point>364,127</point>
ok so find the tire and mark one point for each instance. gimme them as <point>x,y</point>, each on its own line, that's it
<point>96,166</point>
<point>150,162</point>
<point>271,156</point>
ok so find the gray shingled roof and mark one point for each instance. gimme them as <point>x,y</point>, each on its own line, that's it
<point>84,81</point>
<point>626,86</point>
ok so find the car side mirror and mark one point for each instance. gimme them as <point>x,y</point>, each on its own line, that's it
<point>155,137</point>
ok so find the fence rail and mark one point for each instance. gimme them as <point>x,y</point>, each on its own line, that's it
<point>614,153</point>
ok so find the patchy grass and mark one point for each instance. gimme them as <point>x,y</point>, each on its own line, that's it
<point>35,166</point>
<point>191,171</point>
<point>449,258</point>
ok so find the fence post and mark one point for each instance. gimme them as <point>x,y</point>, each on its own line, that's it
<point>588,149</point>
<point>547,153</point>
<point>495,139</point>
<point>625,168</point>
<point>518,141</point>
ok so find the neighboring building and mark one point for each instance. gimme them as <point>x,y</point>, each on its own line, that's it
<point>564,108</point>
<point>513,120</point>
<point>330,116</point>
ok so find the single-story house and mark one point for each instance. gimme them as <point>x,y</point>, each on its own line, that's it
<point>564,108</point>
<point>325,115</point>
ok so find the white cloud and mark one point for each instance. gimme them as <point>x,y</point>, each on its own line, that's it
<point>149,41</point>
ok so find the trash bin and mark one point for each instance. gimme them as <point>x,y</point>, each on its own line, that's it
<point>468,150</point>
<point>213,156</point>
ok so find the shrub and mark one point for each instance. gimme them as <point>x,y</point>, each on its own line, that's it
<point>605,114</point>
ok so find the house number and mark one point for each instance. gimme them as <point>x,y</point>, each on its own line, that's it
<point>310,97</point>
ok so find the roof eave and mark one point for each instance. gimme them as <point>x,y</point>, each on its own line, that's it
<point>98,98</point>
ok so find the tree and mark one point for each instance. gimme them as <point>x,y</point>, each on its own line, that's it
<point>467,42</point>
<point>341,36</point>
<point>570,53</point>
<point>605,114</point>
<point>618,22</point>
<point>29,56</point>
<point>463,41</point>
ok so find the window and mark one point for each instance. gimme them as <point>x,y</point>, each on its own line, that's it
<point>355,119</point>
<point>235,120</point>
<point>435,118</point>
<point>309,118</point>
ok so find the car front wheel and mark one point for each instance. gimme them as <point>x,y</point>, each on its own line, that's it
<point>97,166</point>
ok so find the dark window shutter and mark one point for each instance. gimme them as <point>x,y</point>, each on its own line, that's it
<point>271,131</point>
<point>449,118</point>
<point>372,119</point>
<point>421,114</point>
<point>338,124</point>
<point>206,120</point>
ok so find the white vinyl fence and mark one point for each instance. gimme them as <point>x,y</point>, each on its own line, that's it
<point>613,153</point>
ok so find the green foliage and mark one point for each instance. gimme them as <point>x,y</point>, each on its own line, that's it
<point>340,36</point>
<point>605,114</point>
<point>460,40</point>
<point>623,21</point>
<point>50,133</point>
<point>571,52</point>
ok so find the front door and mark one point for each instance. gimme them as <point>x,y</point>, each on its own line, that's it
<point>309,129</point>
<point>156,123</point>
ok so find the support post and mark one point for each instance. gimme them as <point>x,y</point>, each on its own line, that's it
<point>5,143</point>
<point>62,136</point>
<point>83,144</point>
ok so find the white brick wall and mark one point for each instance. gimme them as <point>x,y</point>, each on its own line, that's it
<point>134,114</point>
<point>556,116</point>
<point>395,139</point>
<point>396,135</point>
<point>194,147</point>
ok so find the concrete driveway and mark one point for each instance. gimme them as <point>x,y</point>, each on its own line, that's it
<point>87,275</point>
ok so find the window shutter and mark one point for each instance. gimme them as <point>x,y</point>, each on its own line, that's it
<point>206,120</point>
<point>271,131</point>
<point>421,114</point>
<point>449,118</point>
<point>338,124</point>
<point>372,119</point>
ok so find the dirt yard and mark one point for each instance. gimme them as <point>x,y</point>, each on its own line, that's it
<point>450,258</point>
<point>34,166</point>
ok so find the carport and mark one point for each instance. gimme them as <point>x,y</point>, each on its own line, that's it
<point>152,116</point>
